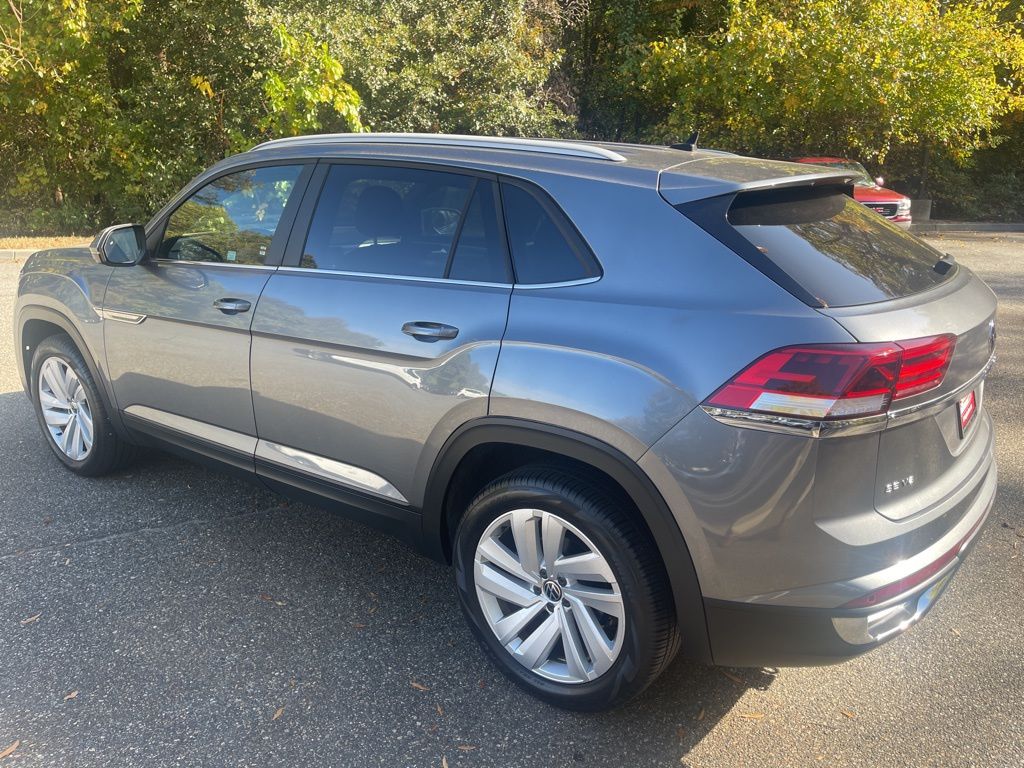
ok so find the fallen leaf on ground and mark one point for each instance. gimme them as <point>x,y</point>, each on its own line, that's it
<point>466,747</point>
<point>72,695</point>
<point>373,609</point>
<point>278,713</point>
<point>751,715</point>
<point>31,619</point>
<point>731,676</point>
<point>847,713</point>
<point>357,625</point>
<point>955,631</point>
<point>444,762</point>
<point>10,750</point>
<point>265,597</point>
<point>700,715</point>
<point>440,710</point>
<point>418,686</point>
<point>680,733</point>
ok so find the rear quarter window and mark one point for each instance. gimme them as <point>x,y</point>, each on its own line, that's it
<point>545,246</point>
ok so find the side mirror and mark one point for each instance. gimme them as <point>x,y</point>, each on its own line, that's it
<point>880,181</point>
<point>121,246</point>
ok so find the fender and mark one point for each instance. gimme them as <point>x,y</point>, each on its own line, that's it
<point>675,555</point>
<point>35,312</point>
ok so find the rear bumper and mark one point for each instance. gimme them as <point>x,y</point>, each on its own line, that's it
<point>759,635</point>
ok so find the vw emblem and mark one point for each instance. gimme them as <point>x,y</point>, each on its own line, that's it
<point>552,590</point>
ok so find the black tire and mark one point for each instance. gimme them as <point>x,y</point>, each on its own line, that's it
<point>108,452</point>
<point>651,638</point>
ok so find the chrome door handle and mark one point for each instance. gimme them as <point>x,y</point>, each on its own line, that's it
<point>424,331</point>
<point>232,306</point>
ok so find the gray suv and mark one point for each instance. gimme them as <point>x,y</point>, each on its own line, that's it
<point>644,399</point>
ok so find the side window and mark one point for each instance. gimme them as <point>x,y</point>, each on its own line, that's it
<point>480,252</point>
<point>390,220</point>
<point>544,247</point>
<point>232,219</point>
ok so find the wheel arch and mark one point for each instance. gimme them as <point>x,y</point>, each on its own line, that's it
<point>533,440</point>
<point>38,323</point>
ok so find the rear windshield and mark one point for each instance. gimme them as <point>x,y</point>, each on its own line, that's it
<point>836,249</point>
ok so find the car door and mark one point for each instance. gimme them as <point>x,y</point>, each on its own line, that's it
<point>380,333</point>
<point>176,326</point>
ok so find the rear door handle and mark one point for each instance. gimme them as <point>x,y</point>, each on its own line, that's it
<point>425,331</point>
<point>232,306</point>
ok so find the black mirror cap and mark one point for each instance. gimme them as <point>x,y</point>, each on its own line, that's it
<point>123,245</point>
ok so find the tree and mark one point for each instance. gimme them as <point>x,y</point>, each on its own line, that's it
<point>842,77</point>
<point>108,106</point>
<point>454,66</point>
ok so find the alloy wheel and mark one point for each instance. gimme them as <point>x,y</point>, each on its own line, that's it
<point>65,408</point>
<point>549,596</point>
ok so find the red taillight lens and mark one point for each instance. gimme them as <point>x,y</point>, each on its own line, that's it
<point>924,364</point>
<point>837,381</point>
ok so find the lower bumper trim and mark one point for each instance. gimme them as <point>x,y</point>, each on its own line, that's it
<point>758,635</point>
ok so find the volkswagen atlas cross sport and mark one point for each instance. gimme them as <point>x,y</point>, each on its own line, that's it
<point>644,399</point>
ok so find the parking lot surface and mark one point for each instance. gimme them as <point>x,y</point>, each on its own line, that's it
<point>172,616</point>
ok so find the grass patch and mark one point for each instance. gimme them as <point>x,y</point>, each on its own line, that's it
<point>39,243</point>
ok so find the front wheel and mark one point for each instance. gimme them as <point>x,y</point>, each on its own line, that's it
<point>70,411</point>
<point>564,589</point>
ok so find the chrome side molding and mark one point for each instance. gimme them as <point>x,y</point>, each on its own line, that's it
<point>209,433</point>
<point>328,469</point>
<point>132,318</point>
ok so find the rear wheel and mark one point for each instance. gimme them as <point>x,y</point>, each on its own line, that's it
<point>70,411</point>
<point>563,589</point>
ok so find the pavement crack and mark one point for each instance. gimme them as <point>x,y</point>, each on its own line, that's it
<point>142,531</point>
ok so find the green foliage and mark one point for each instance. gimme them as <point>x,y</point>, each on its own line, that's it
<point>108,106</point>
<point>842,76</point>
<point>606,48</point>
<point>454,66</point>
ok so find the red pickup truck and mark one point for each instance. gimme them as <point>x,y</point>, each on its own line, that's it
<point>894,206</point>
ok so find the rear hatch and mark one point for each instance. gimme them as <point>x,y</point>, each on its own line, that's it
<point>882,285</point>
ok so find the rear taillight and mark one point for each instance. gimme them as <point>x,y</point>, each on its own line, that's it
<point>837,381</point>
<point>924,364</point>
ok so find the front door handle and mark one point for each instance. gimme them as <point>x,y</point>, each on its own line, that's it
<point>424,331</point>
<point>232,306</point>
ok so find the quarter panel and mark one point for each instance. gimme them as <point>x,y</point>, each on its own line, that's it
<point>674,316</point>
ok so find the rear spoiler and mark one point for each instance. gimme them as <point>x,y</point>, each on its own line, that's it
<point>712,176</point>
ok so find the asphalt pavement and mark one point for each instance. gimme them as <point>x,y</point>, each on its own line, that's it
<point>172,616</point>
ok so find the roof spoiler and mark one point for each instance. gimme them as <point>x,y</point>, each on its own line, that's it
<point>725,174</point>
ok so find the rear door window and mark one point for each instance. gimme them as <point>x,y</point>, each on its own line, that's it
<point>837,250</point>
<point>410,222</point>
